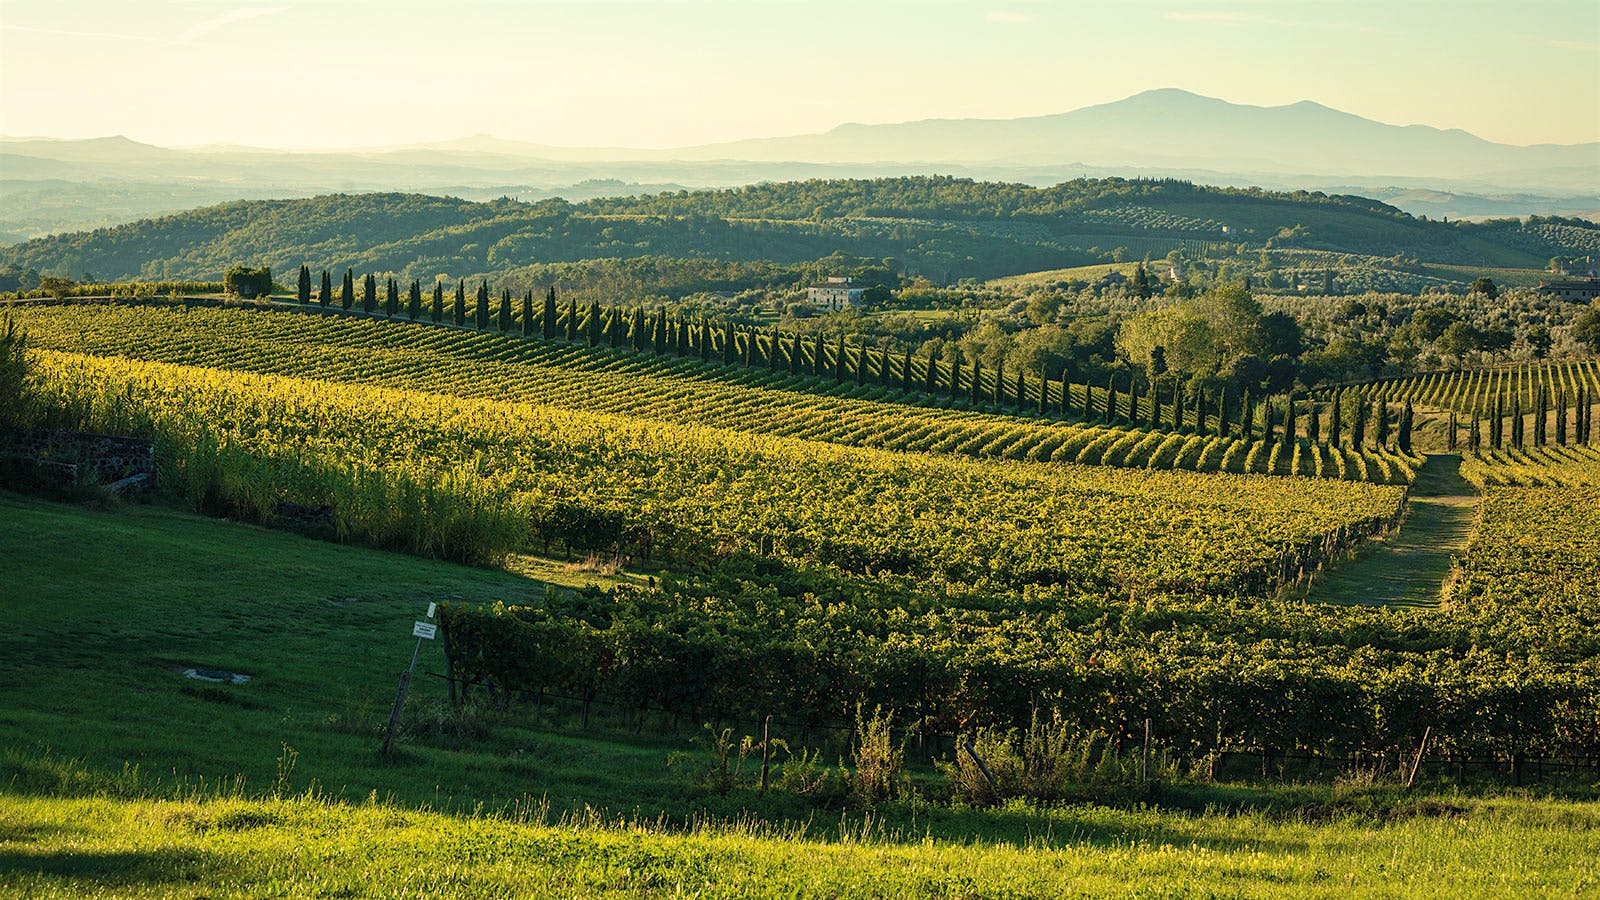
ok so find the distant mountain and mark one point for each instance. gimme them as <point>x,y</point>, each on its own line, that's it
<point>1170,127</point>
<point>50,185</point>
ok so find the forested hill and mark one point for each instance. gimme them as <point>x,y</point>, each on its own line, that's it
<point>943,228</point>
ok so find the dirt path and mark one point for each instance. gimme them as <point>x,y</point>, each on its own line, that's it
<point>1409,568</point>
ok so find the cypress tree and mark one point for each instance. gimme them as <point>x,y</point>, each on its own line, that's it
<point>1382,426</point>
<point>1475,436</point>
<point>905,371</point>
<point>1541,417</point>
<point>592,324</point>
<point>547,320</point>
<point>414,301</point>
<point>658,331</point>
<point>369,293</point>
<point>1246,417</point>
<point>1291,427</point>
<point>637,335</point>
<point>1153,401</point>
<point>303,288</point>
<point>1066,395</point>
<point>1335,415</point>
<point>1021,390</point>
<point>977,381</point>
<point>505,309</point>
<point>1561,417</point>
<point>1518,425</point>
<point>1111,398</point>
<point>998,393</point>
<point>1358,422</point>
<point>527,314</point>
<point>1313,422</point>
<point>1177,406</point>
<point>347,291</point>
<point>1450,440</point>
<point>438,302</point>
<point>1223,428</point>
<point>1269,429</point>
<point>930,375</point>
<point>861,364</point>
<point>461,302</point>
<point>749,347</point>
<point>1406,415</point>
<point>955,377</point>
<point>1199,411</point>
<point>838,360</point>
<point>572,319</point>
<point>1044,393</point>
<point>326,296</point>
<point>1497,424</point>
<point>391,299</point>
<point>481,314</point>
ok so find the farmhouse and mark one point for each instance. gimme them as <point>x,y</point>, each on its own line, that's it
<point>836,293</point>
<point>1579,290</point>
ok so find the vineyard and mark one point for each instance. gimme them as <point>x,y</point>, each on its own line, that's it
<point>1476,390</point>
<point>533,475</point>
<point>848,403</point>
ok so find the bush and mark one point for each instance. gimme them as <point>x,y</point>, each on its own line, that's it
<point>878,760</point>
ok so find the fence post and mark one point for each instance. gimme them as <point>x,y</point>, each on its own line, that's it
<point>982,767</point>
<point>1411,779</point>
<point>766,749</point>
<point>1144,755</point>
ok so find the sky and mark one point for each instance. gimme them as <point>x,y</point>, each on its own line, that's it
<point>280,73</point>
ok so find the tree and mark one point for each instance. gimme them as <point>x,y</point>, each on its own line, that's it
<point>369,293</point>
<point>572,319</point>
<point>391,299</point>
<point>347,291</point>
<point>438,302</point>
<point>527,314</point>
<point>246,282</point>
<point>547,322</point>
<point>1404,437</point>
<point>481,308</point>
<point>460,311</point>
<point>414,301</point>
<point>1540,341</point>
<point>325,296</point>
<point>1586,328</point>
<point>303,286</point>
<point>1139,285</point>
<point>1486,287</point>
<point>504,322</point>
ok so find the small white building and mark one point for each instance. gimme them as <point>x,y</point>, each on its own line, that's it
<point>836,293</point>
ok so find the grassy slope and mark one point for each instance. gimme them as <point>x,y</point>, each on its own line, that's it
<point>300,847</point>
<point>108,604</point>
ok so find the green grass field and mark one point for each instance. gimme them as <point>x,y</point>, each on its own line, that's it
<point>121,777</point>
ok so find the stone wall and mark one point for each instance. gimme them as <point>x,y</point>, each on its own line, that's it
<point>76,455</point>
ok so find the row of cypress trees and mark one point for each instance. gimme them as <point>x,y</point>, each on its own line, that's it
<point>1499,424</point>
<point>1171,407</point>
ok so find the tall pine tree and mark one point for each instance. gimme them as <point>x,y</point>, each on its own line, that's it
<point>303,287</point>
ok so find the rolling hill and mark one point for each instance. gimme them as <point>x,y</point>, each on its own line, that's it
<point>940,227</point>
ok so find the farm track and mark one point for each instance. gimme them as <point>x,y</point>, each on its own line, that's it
<point>1410,567</point>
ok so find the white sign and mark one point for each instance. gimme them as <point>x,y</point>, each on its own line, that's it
<point>431,608</point>
<point>424,630</point>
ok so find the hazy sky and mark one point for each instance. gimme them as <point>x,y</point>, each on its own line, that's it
<point>337,74</point>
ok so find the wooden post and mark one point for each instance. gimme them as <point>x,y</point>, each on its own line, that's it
<point>766,749</point>
<point>972,752</point>
<point>1411,779</point>
<point>393,730</point>
<point>1144,755</point>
